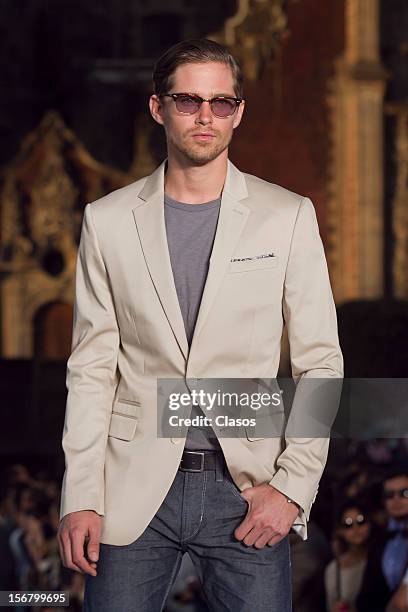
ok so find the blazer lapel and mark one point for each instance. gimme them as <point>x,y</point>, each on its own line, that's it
<point>150,224</point>
<point>231,221</point>
<point>151,227</point>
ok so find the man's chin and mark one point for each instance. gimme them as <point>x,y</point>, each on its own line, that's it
<point>201,160</point>
<point>200,153</point>
<point>202,157</point>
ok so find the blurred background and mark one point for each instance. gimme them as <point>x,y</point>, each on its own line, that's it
<point>326,89</point>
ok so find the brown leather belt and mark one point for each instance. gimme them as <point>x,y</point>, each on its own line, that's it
<point>198,461</point>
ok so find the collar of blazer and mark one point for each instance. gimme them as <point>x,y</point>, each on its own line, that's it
<point>149,218</point>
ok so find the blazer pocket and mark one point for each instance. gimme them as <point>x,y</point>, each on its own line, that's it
<point>125,419</point>
<point>253,264</point>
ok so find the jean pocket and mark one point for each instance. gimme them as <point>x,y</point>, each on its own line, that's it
<point>234,489</point>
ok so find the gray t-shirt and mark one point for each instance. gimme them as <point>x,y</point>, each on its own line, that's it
<point>190,232</point>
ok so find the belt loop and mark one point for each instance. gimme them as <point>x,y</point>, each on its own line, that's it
<point>219,468</point>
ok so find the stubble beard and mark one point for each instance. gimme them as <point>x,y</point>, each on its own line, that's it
<point>201,152</point>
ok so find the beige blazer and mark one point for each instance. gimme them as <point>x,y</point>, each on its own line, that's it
<point>128,331</point>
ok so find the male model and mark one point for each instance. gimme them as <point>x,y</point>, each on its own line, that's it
<point>190,273</point>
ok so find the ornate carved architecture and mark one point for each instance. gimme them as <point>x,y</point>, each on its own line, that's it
<point>41,201</point>
<point>253,35</point>
<point>400,200</point>
<point>355,207</point>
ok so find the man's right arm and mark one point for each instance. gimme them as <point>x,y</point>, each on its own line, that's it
<point>91,381</point>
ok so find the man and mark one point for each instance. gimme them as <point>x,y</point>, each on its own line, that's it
<point>388,555</point>
<point>189,273</point>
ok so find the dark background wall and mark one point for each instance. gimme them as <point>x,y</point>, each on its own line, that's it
<point>92,61</point>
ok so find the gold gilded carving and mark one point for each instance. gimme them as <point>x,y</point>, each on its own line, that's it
<point>41,202</point>
<point>400,201</point>
<point>355,213</point>
<point>253,34</point>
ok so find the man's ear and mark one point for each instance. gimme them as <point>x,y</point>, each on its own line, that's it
<point>239,114</point>
<point>156,109</point>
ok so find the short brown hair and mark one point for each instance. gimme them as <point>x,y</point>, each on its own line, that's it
<point>194,50</point>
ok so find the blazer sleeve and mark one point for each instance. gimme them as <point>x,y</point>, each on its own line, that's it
<point>310,315</point>
<point>91,378</point>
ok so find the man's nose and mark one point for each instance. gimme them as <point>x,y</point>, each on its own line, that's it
<point>204,114</point>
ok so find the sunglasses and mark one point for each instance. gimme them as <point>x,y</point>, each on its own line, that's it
<point>348,521</point>
<point>189,104</point>
<point>391,493</point>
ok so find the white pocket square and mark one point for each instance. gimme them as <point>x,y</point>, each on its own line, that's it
<point>263,256</point>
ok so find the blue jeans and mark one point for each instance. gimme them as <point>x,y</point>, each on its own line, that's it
<point>198,515</point>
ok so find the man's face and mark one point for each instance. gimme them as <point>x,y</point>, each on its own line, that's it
<point>396,506</point>
<point>206,80</point>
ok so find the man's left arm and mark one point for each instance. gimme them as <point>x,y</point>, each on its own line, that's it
<point>310,316</point>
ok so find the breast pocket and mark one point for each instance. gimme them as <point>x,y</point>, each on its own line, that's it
<point>125,419</point>
<point>251,265</point>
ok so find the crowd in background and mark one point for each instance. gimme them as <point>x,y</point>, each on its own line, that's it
<point>354,560</point>
<point>29,554</point>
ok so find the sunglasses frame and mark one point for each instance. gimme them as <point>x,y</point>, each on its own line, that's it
<point>363,521</point>
<point>201,100</point>
<point>391,493</point>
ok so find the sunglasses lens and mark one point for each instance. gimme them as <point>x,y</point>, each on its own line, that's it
<point>349,522</point>
<point>187,104</point>
<point>223,107</point>
<point>391,493</point>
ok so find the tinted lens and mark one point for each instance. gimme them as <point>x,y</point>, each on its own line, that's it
<point>390,493</point>
<point>187,104</point>
<point>223,107</point>
<point>349,522</point>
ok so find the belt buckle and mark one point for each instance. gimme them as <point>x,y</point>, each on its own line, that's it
<point>201,468</point>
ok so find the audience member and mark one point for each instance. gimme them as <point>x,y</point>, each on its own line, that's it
<point>344,574</point>
<point>388,554</point>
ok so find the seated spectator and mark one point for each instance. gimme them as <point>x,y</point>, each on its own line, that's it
<point>344,574</point>
<point>388,554</point>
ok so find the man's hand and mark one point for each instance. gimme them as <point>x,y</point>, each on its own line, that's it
<point>73,530</point>
<point>269,517</point>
